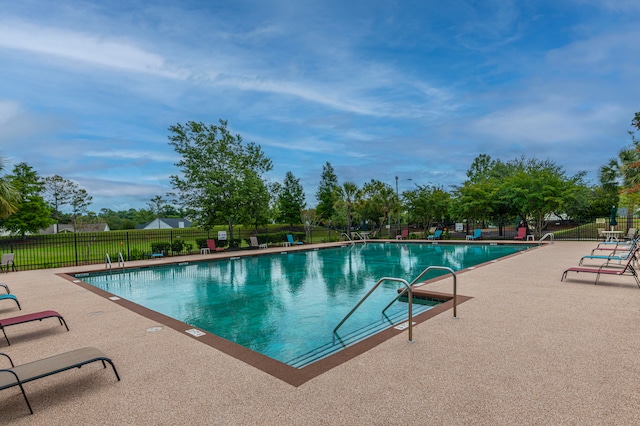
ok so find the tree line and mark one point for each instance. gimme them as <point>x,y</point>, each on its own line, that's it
<point>221,180</point>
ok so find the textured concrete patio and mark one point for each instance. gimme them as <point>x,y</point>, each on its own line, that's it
<point>526,349</point>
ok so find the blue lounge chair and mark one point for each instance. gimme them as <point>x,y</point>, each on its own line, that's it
<point>290,240</point>
<point>10,297</point>
<point>618,253</point>
<point>608,259</point>
<point>477,234</point>
<point>436,235</point>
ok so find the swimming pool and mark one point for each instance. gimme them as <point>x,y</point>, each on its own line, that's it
<point>286,305</point>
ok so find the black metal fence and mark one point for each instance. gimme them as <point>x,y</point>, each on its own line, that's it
<point>75,249</point>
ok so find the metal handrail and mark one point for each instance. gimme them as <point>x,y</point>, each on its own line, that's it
<point>120,260</point>
<point>348,237</point>
<point>107,261</point>
<point>423,273</point>
<point>380,281</point>
<point>360,236</point>
<point>547,235</point>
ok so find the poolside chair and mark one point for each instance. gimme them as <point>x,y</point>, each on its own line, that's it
<point>628,269</point>
<point>21,374</point>
<point>10,297</point>
<point>256,244</point>
<point>403,235</point>
<point>211,244</point>
<point>436,235</point>
<point>522,234</point>
<point>477,234</point>
<point>6,287</point>
<point>291,242</point>
<point>37,316</point>
<point>616,246</point>
<point>7,261</point>
<point>619,254</point>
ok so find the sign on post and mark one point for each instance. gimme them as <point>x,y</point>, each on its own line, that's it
<point>222,235</point>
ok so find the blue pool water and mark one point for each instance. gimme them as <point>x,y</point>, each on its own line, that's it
<point>286,305</point>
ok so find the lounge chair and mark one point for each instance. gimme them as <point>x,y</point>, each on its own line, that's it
<point>21,374</point>
<point>477,234</point>
<point>6,287</point>
<point>628,269</point>
<point>522,234</point>
<point>290,241</point>
<point>436,235</point>
<point>211,244</point>
<point>10,297</point>
<point>7,261</point>
<point>618,253</point>
<point>404,234</point>
<point>256,244</point>
<point>37,316</point>
<point>616,246</point>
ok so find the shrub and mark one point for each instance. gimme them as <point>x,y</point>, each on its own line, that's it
<point>177,246</point>
<point>136,254</point>
<point>160,247</point>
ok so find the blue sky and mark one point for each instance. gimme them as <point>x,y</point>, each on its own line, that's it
<point>414,89</point>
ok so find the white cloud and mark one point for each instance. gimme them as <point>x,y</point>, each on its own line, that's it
<point>132,155</point>
<point>85,47</point>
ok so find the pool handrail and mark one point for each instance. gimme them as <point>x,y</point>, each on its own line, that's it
<point>380,281</point>
<point>547,235</point>
<point>423,273</point>
<point>108,264</point>
<point>356,233</point>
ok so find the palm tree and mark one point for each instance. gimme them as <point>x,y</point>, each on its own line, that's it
<point>350,194</point>
<point>9,196</point>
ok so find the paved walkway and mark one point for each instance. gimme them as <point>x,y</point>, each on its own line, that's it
<point>527,349</point>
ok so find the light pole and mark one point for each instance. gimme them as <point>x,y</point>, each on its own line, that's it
<point>398,197</point>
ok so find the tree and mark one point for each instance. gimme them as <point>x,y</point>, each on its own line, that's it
<point>623,173</point>
<point>220,174</point>
<point>349,194</point>
<point>476,199</point>
<point>32,213</point>
<point>327,193</point>
<point>428,204</point>
<point>9,195</point>
<point>310,220</point>
<point>80,200</point>
<point>257,204</point>
<point>535,189</point>
<point>159,206</point>
<point>378,202</point>
<point>58,192</point>
<point>291,200</point>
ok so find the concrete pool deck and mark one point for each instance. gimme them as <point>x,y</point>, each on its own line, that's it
<point>526,349</point>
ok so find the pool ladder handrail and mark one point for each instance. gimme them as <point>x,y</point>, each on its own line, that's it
<point>380,281</point>
<point>547,235</point>
<point>409,289</point>
<point>356,233</point>
<point>422,274</point>
<point>107,261</point>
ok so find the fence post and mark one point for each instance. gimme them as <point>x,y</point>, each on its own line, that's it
<point>128,247</point>
<point>75,246</point>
